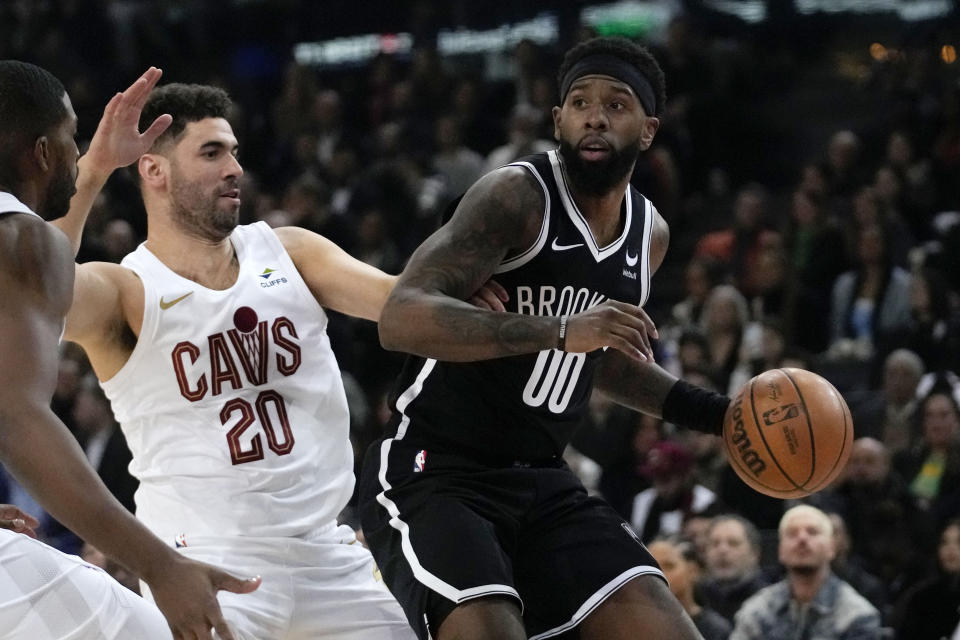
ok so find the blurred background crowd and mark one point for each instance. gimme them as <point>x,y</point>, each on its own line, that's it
<point>808,164</point>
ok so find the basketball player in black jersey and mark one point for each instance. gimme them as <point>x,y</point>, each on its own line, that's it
<point>479,528</point>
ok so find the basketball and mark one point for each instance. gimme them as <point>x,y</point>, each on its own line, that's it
<point>788,433</point>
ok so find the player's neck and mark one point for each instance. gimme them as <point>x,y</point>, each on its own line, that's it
<point>212,264</point>
<point>603,212</point>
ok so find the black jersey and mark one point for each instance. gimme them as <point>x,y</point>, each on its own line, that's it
<point>526,407</point>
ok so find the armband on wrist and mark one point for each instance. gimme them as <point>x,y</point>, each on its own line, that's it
<point>696,408</point>
<point>562,337</point>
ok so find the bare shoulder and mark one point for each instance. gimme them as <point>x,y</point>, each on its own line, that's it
<point>107,296</point>
<point>502,212</point>
<point>306,247</point>
<point>297,239</point>
<point>659,240</point>
<point>36,256</point>
<point>30,243</point>
<point>506,198</point>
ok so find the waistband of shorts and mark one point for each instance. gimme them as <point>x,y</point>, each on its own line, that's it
<point>446,458</point>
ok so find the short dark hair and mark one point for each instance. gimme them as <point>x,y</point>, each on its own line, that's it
<point>31,105</point>
<point>628,51</point>
<point>186,103</point>
<point>749,529</point>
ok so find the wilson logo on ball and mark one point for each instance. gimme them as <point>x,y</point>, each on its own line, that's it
<point>742,442</point>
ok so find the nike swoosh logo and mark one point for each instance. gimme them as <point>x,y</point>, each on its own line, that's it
<point>564,247</point>
<point>166,305</point>
<point>632,260</point>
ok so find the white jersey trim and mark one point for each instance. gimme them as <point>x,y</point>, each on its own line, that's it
<point>598,598</point>
<point>426,578</point>
<point>645,270</point>
<point>581,222</point>
<point>9,203</point>
<point>528,255</point>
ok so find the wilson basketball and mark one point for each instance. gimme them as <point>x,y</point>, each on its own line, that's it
<point>788,433</point>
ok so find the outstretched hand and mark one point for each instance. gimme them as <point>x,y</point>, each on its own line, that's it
<point>18,521</point>
<point>118,141</point>
<point>619,325</point>
<point>186,593</point>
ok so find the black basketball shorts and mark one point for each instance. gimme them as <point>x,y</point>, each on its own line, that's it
<point>444,530</point>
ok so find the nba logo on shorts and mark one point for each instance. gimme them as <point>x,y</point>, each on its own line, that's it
<point>419,461</point>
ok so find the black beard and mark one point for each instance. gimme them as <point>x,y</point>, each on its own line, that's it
<point>597,178</point>
<point>57,202</point>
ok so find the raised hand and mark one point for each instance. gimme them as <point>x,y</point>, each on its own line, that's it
<point>118,141</point>
<point>619,325</point>
<point>18,521</point>
<point>186,593</point>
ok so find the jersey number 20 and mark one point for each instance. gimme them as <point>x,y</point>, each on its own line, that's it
<point>251,450</point>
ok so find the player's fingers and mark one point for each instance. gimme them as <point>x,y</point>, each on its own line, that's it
<point>227,582</point>
<point>486,298</point>
<point>158,127</point>
<point>649,324</point>
<point>110,111</point>
<point>627,348</point>
<point>10,512</point>
<point>498,290</point>
<point>17,525</point>
<point>142,85</point>
<point>141,90</point>
<point>640,341</point>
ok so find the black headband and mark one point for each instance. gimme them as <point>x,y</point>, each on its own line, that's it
<point>608,65</point>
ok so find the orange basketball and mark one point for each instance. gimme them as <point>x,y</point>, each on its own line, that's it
<point>788,433</point>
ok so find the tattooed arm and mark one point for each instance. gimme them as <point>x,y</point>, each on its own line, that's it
<point>500,215</point>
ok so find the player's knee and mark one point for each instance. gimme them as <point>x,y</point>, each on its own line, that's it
<point>642,606</point>
<point>483,618</point>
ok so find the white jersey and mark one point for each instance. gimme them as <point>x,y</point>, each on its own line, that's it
<point>232,402</point>
<point>10,204</point>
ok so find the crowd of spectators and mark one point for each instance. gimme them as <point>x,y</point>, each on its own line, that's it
<point>842,258</point>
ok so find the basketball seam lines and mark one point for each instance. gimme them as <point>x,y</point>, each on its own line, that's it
<point>813,444</point>
<point>753,409</point>
<point>843,445</point>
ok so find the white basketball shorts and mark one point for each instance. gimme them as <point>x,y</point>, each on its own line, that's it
<point>49,595</point>
<point>325,588</point>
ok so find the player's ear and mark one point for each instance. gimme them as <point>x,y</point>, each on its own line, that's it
<point>556,123</point>
<point>152,169</point>
<point>41,153</point>
<point>650,127</point>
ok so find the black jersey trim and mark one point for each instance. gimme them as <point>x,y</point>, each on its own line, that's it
<point>581,222</point>
<point>532,252</point>
<point>599,597</point>
<point>423,576</point>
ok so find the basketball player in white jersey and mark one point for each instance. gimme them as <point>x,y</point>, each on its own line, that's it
<point>210,341</point>
<point>45,594</point>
